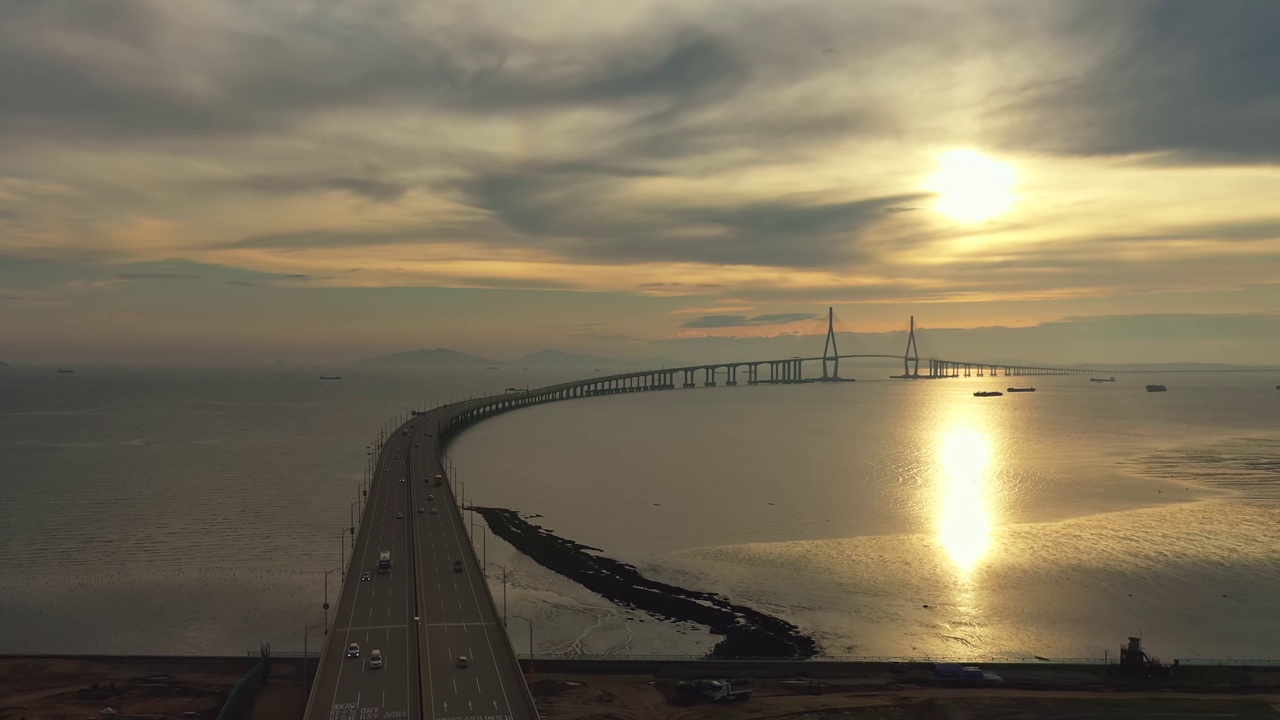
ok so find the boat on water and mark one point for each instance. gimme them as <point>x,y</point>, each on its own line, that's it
<point>64,370</point>
<point>988,393</point>
<point>330,377</point>
<point>492,367</point>
<point>1156,388</point>
<point>1110,379</point>
<point>1026,389</point>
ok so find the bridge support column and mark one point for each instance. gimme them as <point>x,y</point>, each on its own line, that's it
<point>733,375</point>
<point>710,380</point>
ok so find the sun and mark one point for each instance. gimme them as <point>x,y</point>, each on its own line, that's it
<point>971,186</point>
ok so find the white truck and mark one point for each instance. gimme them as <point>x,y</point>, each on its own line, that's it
<point>384,561</point>
<point>723,691</point>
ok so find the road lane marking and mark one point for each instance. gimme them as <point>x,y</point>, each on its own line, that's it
<point>375,627</point>
<point>477,684</point>
<point>455,686</point>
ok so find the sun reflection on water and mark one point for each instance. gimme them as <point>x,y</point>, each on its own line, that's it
<point>963,502</point>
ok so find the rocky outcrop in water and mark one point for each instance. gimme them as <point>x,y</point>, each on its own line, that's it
<point>747,632</point>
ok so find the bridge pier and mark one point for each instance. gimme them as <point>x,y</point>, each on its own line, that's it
<point>710,380</point>
<point>733,375</point>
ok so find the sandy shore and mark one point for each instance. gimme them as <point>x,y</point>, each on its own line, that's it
<point>601,697</point>
<point>76,688</point>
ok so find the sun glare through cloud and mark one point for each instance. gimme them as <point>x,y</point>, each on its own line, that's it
<point>971,186</point>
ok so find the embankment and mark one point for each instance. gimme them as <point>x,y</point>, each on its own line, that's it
<point>747,633</point>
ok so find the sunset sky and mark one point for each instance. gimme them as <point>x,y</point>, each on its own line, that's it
<point>243,181</point>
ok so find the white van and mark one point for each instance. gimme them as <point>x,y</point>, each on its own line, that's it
<point>375,659</point>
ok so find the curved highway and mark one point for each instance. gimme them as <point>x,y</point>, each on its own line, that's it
<point>423,616</point>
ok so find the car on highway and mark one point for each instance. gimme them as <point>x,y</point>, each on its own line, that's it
<point>457,566</point>
<point>353,650</point>
<point>430,498</point>
<point>433,509</point>
<point>375,659</point>
<point>399,516</point>
<point>401,479</point>
<point>422,509</point>
<point>462,661</point>
<point>366,575</point>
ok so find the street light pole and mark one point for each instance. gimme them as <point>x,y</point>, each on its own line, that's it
<point>342,552</point>
<point>326,601</point>
<point>504,594</point>
<point>305,661</point>
<point>527,620</point>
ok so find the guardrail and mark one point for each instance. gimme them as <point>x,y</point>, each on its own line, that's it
<point>240,699</point>
<point>824,658</point>
<point>1035,660</point>
<point>285,653</point>
<point>1228,662</point>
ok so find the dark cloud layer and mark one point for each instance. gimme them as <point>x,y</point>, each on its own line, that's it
<point>1199,80</point>
<point>158,276</point>
<point>726,321</point>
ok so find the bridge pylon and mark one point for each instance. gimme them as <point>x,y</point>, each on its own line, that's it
<point>911,358</point>
<point>829,352</point>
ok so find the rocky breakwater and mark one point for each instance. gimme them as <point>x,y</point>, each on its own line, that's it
<point>747,633</point>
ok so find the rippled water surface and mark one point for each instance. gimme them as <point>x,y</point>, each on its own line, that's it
<point>196,511</point>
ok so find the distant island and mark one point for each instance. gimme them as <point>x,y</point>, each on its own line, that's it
<point>542,358</point>
<point>3,364</point>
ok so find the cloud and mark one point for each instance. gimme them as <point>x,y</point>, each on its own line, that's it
<point>158,276</point>
<point>1200,81</point>
<point>726,321</point>
<point>573,212</point>
<point>367,188</point>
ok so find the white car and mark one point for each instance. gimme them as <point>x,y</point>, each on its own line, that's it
<point>430,498</point>
<point>399,516</point>
<point>375,659</point>
<point>353,650</point>
<point>422,510</point>
<point>462,661</point>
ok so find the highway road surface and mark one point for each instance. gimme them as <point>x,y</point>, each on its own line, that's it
<point>423,615</point>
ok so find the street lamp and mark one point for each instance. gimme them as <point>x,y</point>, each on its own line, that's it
<point>342,552</point>
<point>305,659</point>
<point>530,640</point>
<point>326,601</point>
<point>504,593</point>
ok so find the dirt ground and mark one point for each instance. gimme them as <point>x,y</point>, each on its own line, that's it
<point>72,688</point>
<point>612,697</point>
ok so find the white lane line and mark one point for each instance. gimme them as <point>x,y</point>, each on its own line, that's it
<point>477,684</point>
<point>455,686</point>
<point>454,522</point>
<point>374,627</point>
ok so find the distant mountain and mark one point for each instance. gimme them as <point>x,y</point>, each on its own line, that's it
<point>439,356</point>
<point>3,364</point>
<point>559,357</point>
<point>543,358</point>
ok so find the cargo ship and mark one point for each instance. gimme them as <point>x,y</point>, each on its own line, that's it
<point>1110,379</point>
<point>330,377</point>
<point>1028,389</point>
<point>988,393</point>
<point>1156,388</point>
